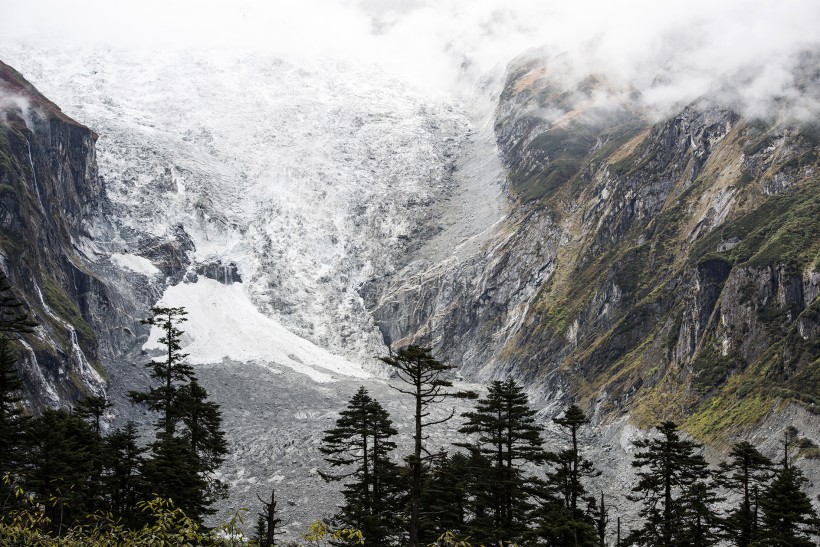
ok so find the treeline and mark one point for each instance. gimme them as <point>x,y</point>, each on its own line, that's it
<point>58,469</point>
<point>65,483</point>
<point>502,486</point>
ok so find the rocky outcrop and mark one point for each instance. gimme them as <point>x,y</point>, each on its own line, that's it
<point>48,186</point>
<point>667,270</point>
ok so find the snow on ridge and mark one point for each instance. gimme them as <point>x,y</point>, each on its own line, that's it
<point>314,179</point>
<point>137,264</point>
<point>223,323</point>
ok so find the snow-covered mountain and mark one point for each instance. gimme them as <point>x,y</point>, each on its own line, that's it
<point>310,180</point>
<point>542,227</point>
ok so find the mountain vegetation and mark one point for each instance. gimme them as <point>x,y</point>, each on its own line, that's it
<point>65,483</point>
<point>669,271</point>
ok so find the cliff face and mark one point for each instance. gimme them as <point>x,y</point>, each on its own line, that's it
<point>666,269</point>
<point>48,186</point>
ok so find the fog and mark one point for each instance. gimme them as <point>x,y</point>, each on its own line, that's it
<point>743,52</point>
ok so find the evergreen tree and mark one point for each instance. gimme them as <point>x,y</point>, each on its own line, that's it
<point>509,437</point>
<point>11,420</point>
<point>571,516</point>
<point>360,445</point>
<point>13,315</point>
<point>572,466</point>
<point>174,471</point>
<point>189,443</point>
<point>14,318</point>
<point>93,409</point>
<point>268,521</point>
<point>672,476</point>
<point>788,515</point>
<point>423,375</point>
<point>62,471</point>
<point>746,473</point>
<point>122,482</point>
<point>449,495</point>
<point>203,431</point>
<point>170,371</point>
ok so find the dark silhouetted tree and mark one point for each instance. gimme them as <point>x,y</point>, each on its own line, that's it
<point>508,436</point>
<point>358,447</point>
<point>62,466</point>
<point>170,371</point>
<point>424,380</point>
<point>788,516</point>
<point>11,420</point>
<point>13,314</point>
<point>671,475</point>
<point>746,474</point>
<point>268,522</point>
<point>123,485</point>
<point>93,409</point>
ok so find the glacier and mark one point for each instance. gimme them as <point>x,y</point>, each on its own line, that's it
<point>312,179</point>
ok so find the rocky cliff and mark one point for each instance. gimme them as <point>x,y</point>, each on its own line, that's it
<point>48,187</point>
<point>662,268</point>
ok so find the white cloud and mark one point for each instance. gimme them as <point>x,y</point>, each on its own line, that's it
<point>745,48</point>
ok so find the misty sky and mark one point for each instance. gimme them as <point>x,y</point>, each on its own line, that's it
<point>672,51</point>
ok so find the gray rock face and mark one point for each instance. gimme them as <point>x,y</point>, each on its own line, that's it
<point>649,278</point>
<point>649,270</point>
<point>48,189</point>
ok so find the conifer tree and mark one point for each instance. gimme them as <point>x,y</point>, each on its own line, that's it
<point>174,471</point>
<point>123,484</point>
<point>451,496</point>
<point>509,437</point>
<point>203,431</point>
<point>170,371</point>
<point>671,472</point>
<point>359,447</point>
<point>189,443</point>
<point>268,521</point>
<point>14,318</point>
<point>423,376</point>
<point>746,473</point>
<point>62,456</point>
<point>13,315</point>
<point>571,517</point>
<point>93,408</point>
<point>11,421</point>
<point>788,515</point>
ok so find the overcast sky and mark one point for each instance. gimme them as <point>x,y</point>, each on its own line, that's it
<point>672,51</point>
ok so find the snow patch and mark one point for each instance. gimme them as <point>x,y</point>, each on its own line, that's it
<point>223,323</point>
<point>136,264</point>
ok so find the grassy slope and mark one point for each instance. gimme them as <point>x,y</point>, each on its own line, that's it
<point>712,393</point>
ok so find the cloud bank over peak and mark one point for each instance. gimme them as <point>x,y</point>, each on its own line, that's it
<point>744,52</point>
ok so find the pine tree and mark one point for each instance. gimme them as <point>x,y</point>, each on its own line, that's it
<point>575,515</point>
<point>14,318</point>
<point>671,475</point>
<point>170,371</point>
<point>746,473</point>
<point>62,472</point>
<point>449,495</point>
<point>268,521</point>
<point>93,408</point>
<point>123,484</point>
<point>360,445</point>
<point>13,315</point>
<point>174,471</point>
<point>189,443</point>
<point>509,437</point>
<point>203,431</point>
<point>11,421</point>
<point>423,375</point>
<point>788,515</point>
